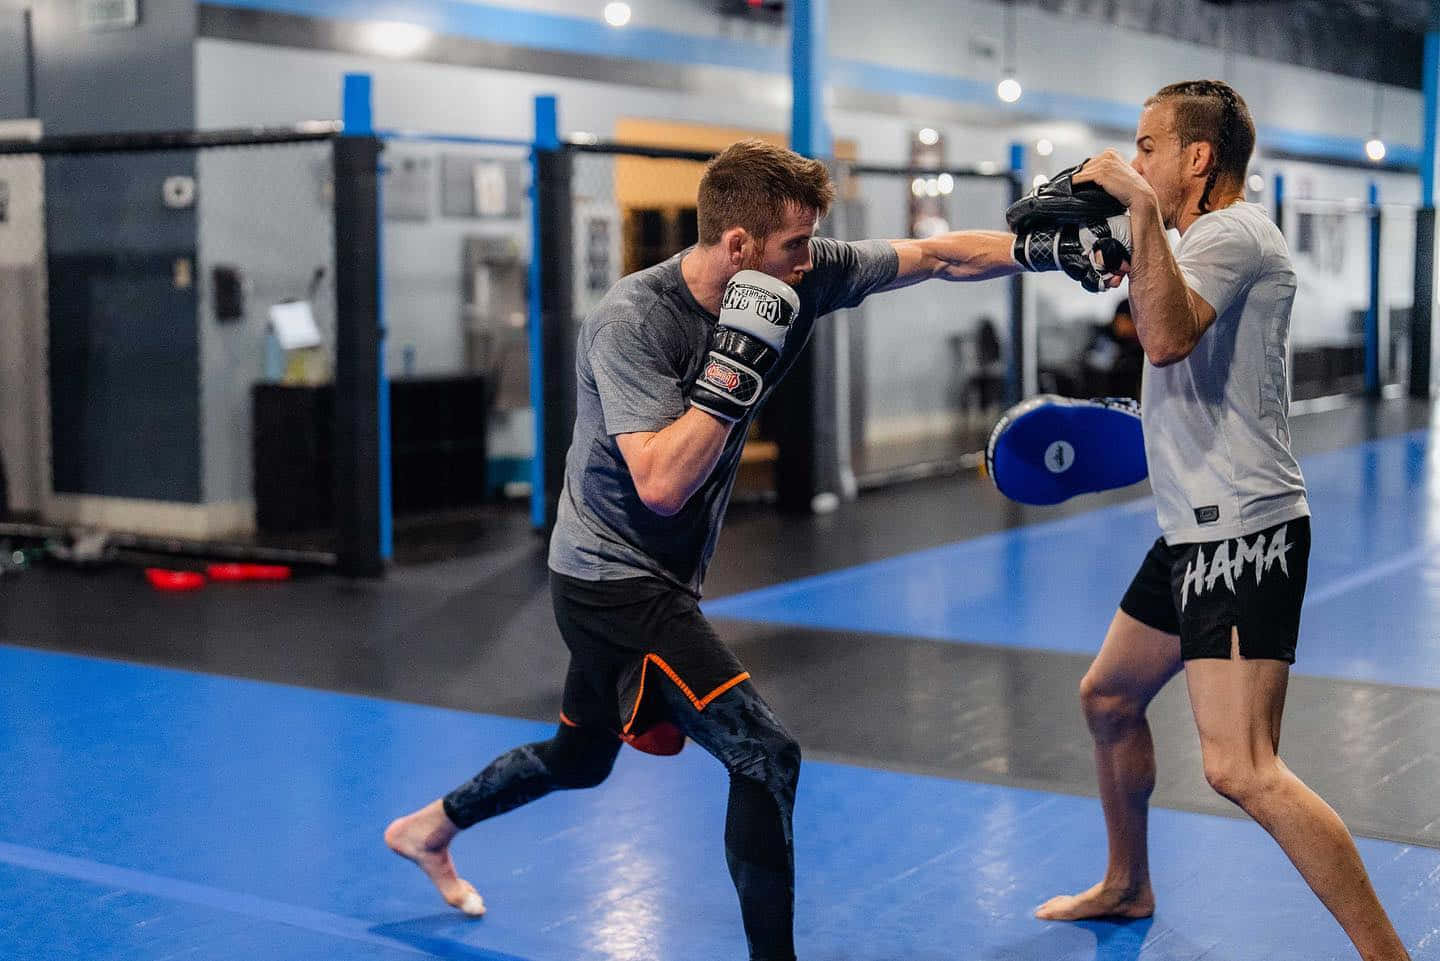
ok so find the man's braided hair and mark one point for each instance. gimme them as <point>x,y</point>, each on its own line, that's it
<point>1210,111</point>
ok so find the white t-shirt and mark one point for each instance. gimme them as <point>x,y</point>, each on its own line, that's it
<point>1217,433</point>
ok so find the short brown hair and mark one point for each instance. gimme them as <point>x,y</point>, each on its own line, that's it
<point>1210,111</point>
<point>751,183</point>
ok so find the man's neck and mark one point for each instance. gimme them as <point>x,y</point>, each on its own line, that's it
<point>706,277</point>
<point>1219,200</point>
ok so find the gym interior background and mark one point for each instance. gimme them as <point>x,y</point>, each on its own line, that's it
<point>295,283</point>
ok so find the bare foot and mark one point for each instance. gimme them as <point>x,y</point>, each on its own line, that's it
<point>424,837</point>
<point>1099,902</point>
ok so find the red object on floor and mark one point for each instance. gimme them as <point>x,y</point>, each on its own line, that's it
<point>248,572</point>
<point>166,580</point>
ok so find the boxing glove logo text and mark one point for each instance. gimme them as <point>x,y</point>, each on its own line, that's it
<point>757,300</point>
<point>726,378</point>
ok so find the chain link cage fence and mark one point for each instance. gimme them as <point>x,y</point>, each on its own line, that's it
<point>928,366</point>
<point>1332,245</point>
<point>919,373</point>
<point>456,253</point>
<point>168,323</point>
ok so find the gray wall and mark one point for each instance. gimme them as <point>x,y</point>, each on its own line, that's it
<point>142,78</point>
<point>124,343</point>
<point>124,375</point>
<point>266,212</point>
<point>12,63</point>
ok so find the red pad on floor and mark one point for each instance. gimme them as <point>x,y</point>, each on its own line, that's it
<point>167,580</point>
<point>248,572</point>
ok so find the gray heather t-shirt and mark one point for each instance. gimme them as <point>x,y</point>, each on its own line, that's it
<point>638,353</point>
<point>1217,432</point>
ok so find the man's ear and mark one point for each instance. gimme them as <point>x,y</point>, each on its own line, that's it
<point>1202,157</point>
<point>733,242</point>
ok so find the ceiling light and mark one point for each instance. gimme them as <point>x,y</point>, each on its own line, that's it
<point>929,136</point>
<point>1008,90</point>
<point>1375,149</point>
<point>390,38</point>
<point>1044,147</point>
<point>617,14</point>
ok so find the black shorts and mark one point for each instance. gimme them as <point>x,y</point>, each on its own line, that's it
<point>1255,584</point>
<point>625,636</point>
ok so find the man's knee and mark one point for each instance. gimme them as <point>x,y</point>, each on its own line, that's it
<point>771,755</point>
<point>1109,708</point>
<point>579,757</point>
<point>1236,776</point>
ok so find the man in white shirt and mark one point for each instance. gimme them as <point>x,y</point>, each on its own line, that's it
<point>1219,594</point>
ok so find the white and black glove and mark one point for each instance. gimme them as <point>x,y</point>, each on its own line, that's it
<point>1089,253</point>
<point>755,316</point>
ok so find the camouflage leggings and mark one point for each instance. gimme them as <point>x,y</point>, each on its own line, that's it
<point>741,731</point>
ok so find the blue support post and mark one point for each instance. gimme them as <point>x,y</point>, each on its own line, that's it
<point>1015,370</point>
<point>361,391</point>
<point>1430,84</point>
<point>809,131</point>
<point>547,137</point>
<point>1372,314</point>
<point>358,118</point>
<point>356,111</point>
<point>1422,314</point>
<point>1280,202</point>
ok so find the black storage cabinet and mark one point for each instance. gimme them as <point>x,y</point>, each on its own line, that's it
<point>438,450</point>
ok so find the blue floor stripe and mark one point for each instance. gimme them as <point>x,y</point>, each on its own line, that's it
<point>164,814</point>
<point>1374,576</point>
<point>262,909</point>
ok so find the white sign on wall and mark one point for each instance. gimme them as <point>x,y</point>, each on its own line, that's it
<point>109,14</point>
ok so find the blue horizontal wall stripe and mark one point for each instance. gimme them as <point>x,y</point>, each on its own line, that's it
<point>548,31</point>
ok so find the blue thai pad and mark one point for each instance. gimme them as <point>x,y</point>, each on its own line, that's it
<point>1048,449</point>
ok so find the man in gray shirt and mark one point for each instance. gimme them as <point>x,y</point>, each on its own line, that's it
<point>671,368</point>
<point>1219,594</point>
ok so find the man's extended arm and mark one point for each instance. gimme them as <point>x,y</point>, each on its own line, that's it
<point>958,255</point>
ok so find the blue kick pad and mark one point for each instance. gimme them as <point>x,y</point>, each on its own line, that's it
<point>1049,449</point>
<point>1370,609</point>
<point>153,814</point>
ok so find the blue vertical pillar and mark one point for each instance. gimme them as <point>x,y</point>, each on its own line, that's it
<point>1015,380</point>
<point>356,112</point>
<point>360,461</point>
<point>357,115</point>
<point>810,470</point>
<point>1430,84</point>
<point>547,138</point>
<point>1372,314</point>
<point>809,131</point>
<point>1280,202</point>
<point>1421,314</point>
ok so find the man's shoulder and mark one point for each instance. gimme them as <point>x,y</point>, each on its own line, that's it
<point>632,299</point>
<point>1245,221</point>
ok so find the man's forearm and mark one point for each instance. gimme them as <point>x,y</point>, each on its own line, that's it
<point>974,254</point>
<point>1165,321</point>
<point>673,463</point>
<point>958,255</point>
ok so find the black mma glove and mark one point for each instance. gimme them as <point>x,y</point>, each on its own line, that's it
<point>1090,253</point>
<point>1062,225</point>
<point>755,316</point>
